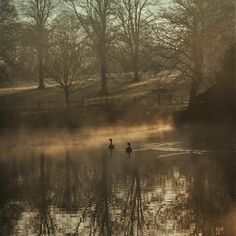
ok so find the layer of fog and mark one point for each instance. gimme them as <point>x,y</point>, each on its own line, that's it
<point>86,138</point>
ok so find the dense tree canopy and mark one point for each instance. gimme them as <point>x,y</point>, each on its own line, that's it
<point>192,32</point>
<point>120,37</point>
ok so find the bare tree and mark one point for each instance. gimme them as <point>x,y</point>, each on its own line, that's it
<point>96,17</point>
<point>40,11</point>
<point>65,59</point>
<point>186,31</point>
<point>134,17</point>
<point>9,30</point>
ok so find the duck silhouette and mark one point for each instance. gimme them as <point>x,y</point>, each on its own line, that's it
<point>128,149</point>
<point>111,146</point>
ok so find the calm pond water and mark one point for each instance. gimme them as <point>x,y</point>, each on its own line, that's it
<point>161,189</point>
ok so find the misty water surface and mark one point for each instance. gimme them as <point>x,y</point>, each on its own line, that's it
<point>163,188</point>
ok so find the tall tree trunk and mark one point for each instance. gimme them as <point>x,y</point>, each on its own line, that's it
<point>196,82</point>
<point>67,97</point>
<point>136,64</point>
<point>136,72</point>
<point>193,93</point>
<point>40,68</point>
<point>41,57</point>
<point>103,64</point>
<point>68,111</point>
<point>197,55</point>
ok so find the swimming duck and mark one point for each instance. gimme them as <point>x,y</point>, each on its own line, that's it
<point>111,146</point>
<point>128,149</point>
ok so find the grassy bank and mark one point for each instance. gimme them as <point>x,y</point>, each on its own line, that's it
<point>127,102</point>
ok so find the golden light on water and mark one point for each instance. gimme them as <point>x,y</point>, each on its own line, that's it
<point>57,141</point>
<point>98,138</point>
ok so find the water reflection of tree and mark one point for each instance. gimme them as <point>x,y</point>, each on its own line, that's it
<point>9,189</point>
<point>44,221</point>
<point>71,192</point>
<point>212,193</point>
<point>133,212</point>
<point>101,217</point>
<point>72,200</point>
<point>95,192</point>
